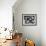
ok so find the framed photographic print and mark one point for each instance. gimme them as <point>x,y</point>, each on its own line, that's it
<point>29,19</point>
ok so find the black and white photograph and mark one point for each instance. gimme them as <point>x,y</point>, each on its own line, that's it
<point>29,19</point>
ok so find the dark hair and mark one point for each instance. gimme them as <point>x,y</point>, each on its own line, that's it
<point>34,44</point>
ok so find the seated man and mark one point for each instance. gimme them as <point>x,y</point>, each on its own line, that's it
<point>18,39</point>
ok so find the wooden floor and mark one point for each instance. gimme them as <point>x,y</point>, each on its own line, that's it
<point>9,43</point>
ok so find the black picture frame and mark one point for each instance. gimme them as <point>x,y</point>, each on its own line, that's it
<point>29,19</point>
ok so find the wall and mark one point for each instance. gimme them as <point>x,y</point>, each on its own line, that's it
<point>28,7</point>
<point>6,13</point>
<point>43,22</point>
